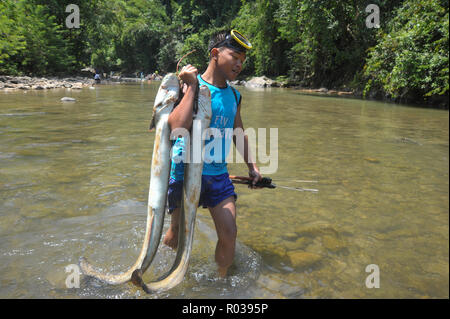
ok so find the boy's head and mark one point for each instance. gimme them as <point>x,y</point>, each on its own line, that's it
<point>228,50</point>
<point>231,39</point>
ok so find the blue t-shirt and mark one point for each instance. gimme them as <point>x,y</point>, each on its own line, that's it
<point>224,105</point>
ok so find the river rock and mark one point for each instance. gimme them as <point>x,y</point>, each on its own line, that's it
<point>332,243</point>
<point>303,259</point>
<point>290,236</point>
<point>345,93</point>
<point>68,99</point>
<point>272,250</point>
<point>77,86</point>
<point>259,82</point>
<point>300,243</point>
<point>28,83</point>
<point>316,229</point>
<point>127,79</point>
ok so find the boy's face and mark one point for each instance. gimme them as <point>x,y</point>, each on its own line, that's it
<point>230,62</point>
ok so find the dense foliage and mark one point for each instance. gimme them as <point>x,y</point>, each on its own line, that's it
<point>308,42</point>
<point>411,57</point>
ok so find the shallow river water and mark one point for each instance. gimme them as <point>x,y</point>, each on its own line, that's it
<point>74,180</point>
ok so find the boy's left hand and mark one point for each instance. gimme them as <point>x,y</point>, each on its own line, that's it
<point>188,75</point>
<point>256,177</point>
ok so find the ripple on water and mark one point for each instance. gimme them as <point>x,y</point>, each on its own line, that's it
<point>201,279</point>
<point>22,114</point>
<point>113,243</point>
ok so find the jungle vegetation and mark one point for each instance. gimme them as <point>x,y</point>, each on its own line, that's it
<point>310,43</point>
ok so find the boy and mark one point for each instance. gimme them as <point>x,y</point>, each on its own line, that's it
<point>227,54</point>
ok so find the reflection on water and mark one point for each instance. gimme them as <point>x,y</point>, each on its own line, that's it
<point>74,180</point>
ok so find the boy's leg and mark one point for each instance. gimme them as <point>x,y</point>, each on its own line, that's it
<point>174,197</point>
<point>171,237</point>
<point>224,216</point>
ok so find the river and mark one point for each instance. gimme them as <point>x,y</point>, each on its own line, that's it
<point>74,180</point>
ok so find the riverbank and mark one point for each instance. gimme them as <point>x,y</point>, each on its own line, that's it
<point>78,82</point>
<point>11,83</point>
<point>8,83</point>
<point>265,82</point>
<point>41,83</point>
<point>438,102</point>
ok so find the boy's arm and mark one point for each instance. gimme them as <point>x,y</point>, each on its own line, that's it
<point>253,170</point>
<point>181,116</point>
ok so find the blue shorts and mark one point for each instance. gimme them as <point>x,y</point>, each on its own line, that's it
<point>215,188</point>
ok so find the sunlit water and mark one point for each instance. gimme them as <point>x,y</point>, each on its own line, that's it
<point>74,182</point>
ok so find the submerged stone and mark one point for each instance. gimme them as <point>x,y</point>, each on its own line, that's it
<point>290,236</point>
<point>332,243</point>
<point>300,243</point>
<point>316,229</point>
<point>303,258</point>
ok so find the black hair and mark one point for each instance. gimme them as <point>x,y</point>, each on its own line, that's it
<point>216,38</point>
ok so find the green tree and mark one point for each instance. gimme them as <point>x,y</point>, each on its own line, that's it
<point>144,25</point>
<point>42,49</point>
<point>256,19</point>
<point>12,40</point>
<point>411,58</point>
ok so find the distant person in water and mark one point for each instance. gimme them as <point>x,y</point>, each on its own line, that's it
<point>97,77</point>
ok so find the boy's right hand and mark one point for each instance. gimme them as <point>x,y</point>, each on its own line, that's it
<point>188,75</point>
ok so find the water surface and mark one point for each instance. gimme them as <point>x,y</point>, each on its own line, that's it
<point>74,182</point>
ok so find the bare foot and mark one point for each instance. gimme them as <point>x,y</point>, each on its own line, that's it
<point>171,238</point>
<point>222,271</point>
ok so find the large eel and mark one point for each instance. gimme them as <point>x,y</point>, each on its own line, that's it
<point>191,196</point>
<point>166,97</point>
